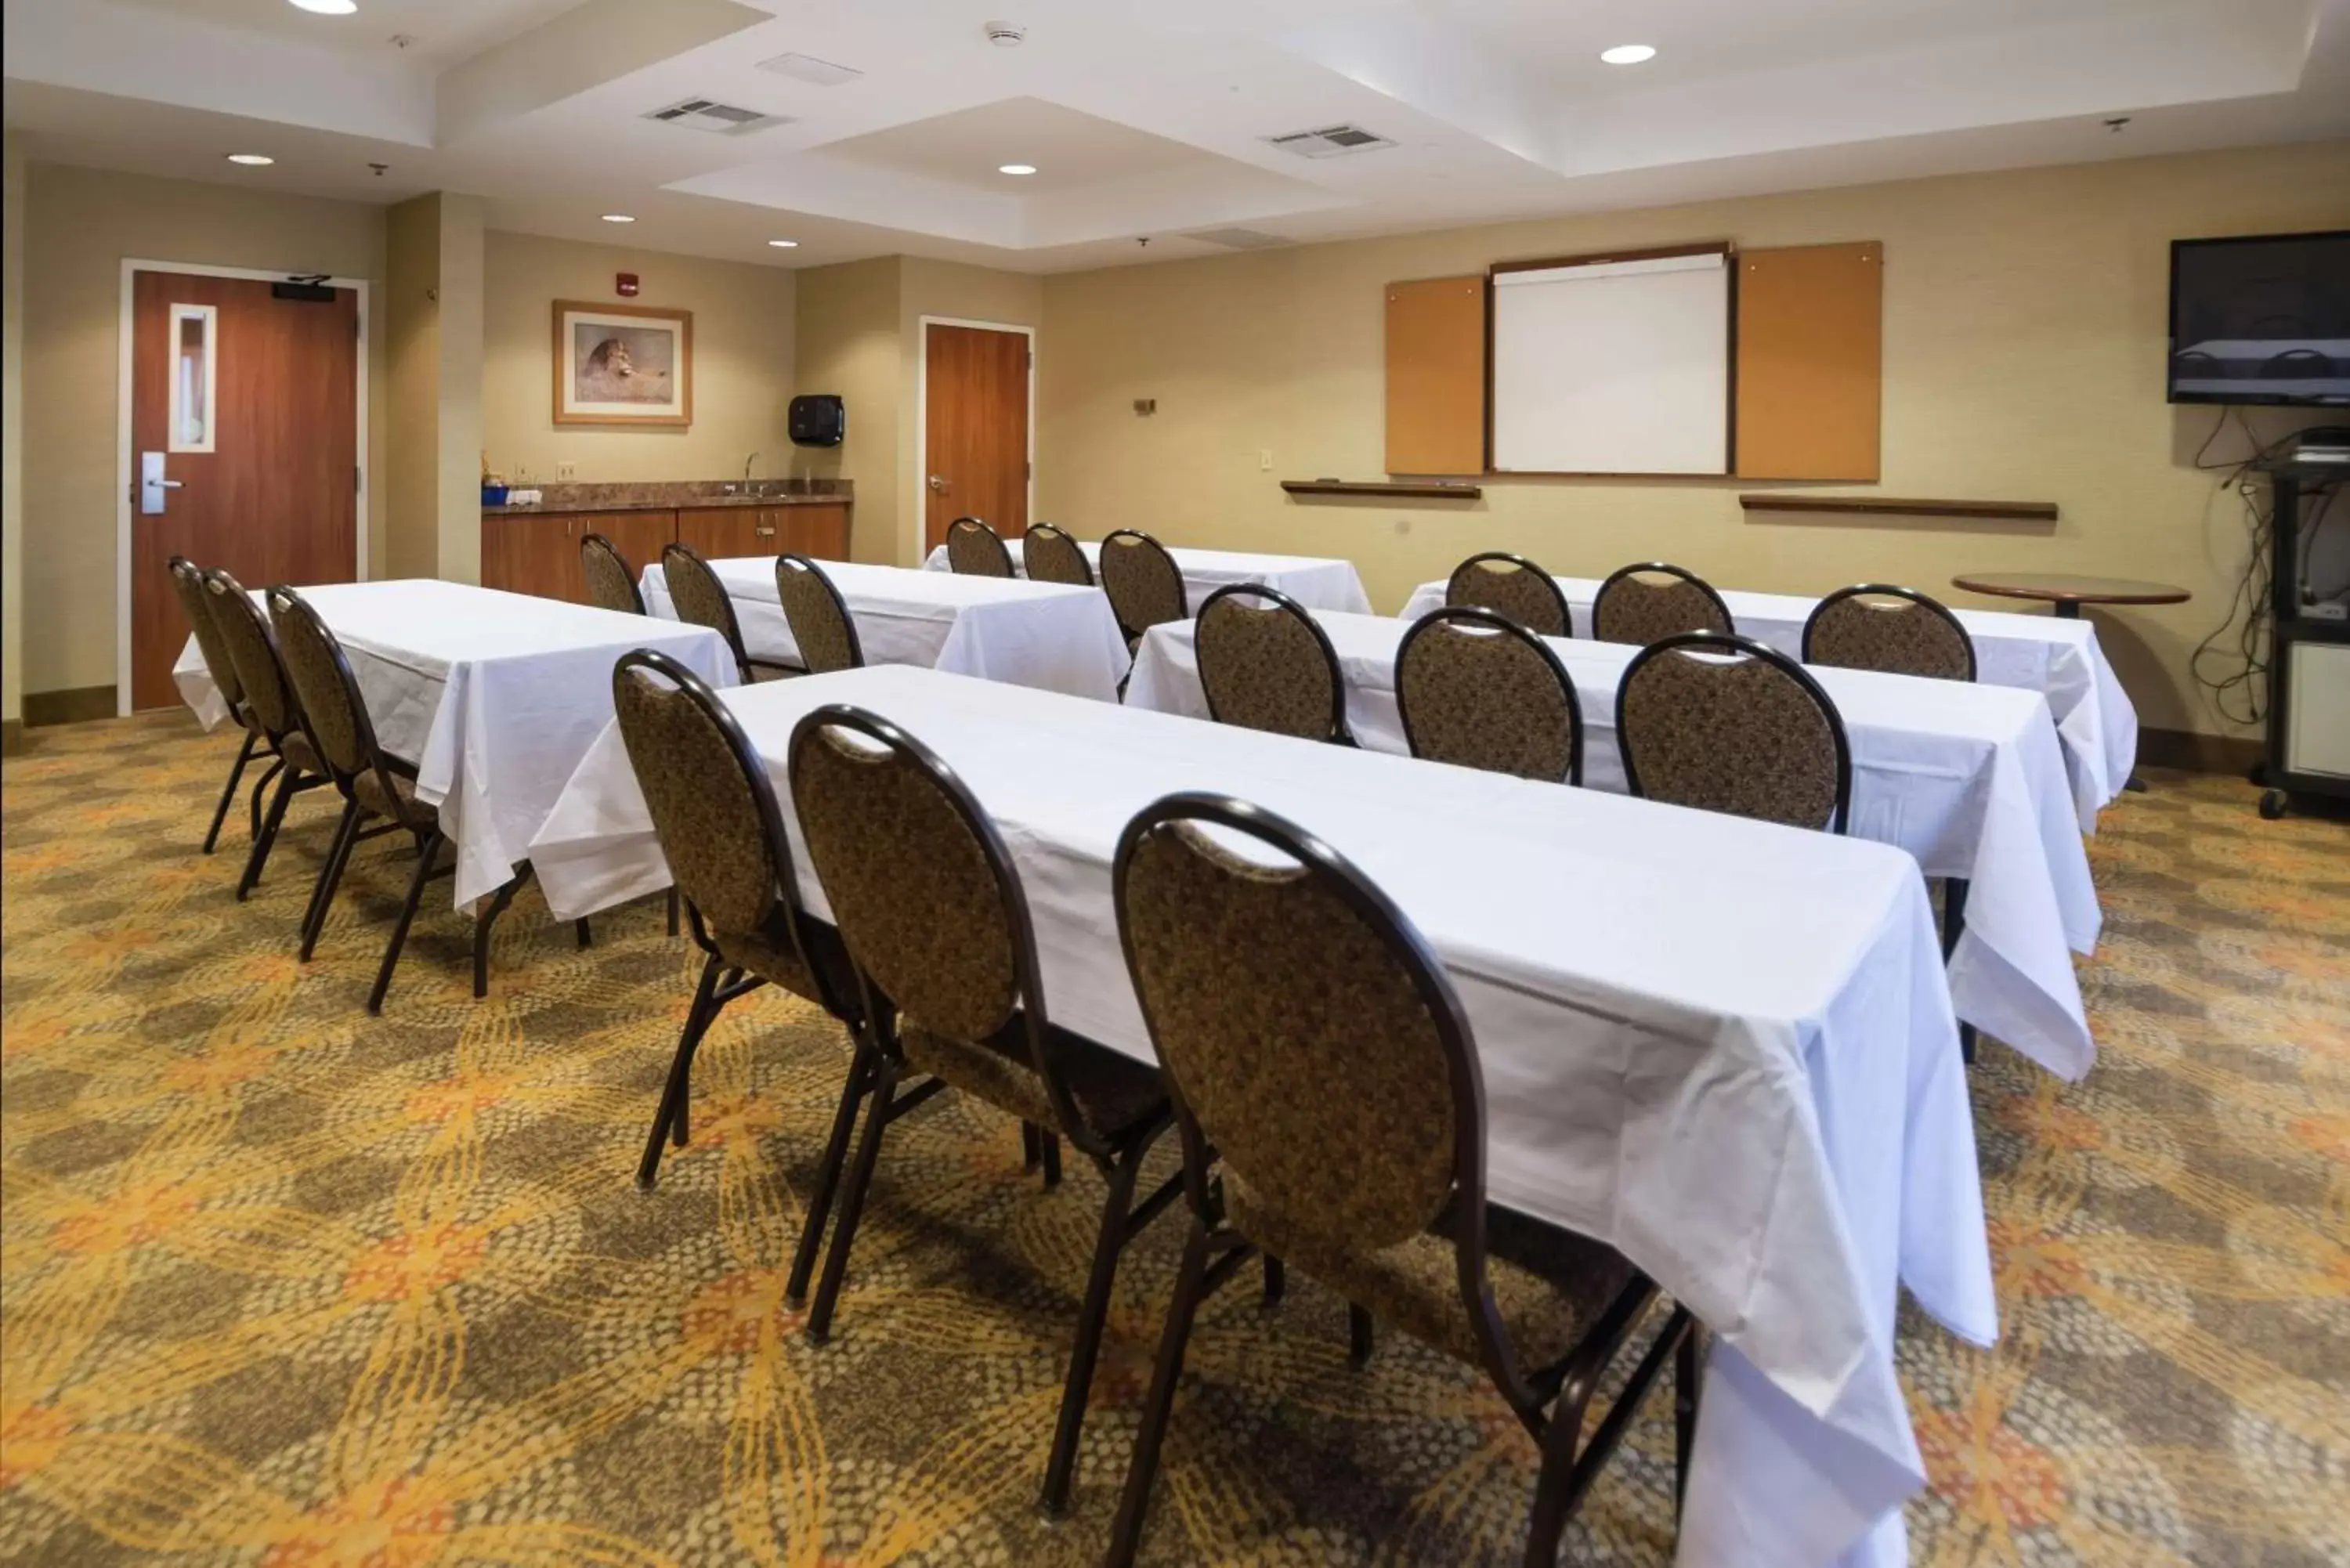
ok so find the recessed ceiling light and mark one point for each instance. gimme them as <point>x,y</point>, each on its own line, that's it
<point>619,218</point>
<point>328,7</point>
<point>252,159</point>
<point>1015,169</point>
<point>1628,54</point>
<point>785,245</point>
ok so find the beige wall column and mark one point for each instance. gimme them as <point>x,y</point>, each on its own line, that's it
<point>12,441</point>
<point>433,330</point>
<point>848,343</point>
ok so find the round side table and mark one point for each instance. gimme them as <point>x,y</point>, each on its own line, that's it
<point>2068,594</point>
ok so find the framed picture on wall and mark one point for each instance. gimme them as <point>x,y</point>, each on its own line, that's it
<point>622,365</point>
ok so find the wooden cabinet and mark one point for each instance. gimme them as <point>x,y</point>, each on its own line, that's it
<point>819,530</point>
<point>539,552</point>
<point>723,532</point>
<point>640,536</point>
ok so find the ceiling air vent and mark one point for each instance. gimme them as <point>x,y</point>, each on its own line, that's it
<point>1237,239</point>
<point>1330,142</point>
<point>808,68</point>
<point>718,119</point>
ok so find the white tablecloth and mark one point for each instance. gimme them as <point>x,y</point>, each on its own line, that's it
<point>494,697</point>
<point>1046,634</point>
<point>1316,582</point>
<point>1723,1047</point>
<point>2058,658</point>
<point>1968,779</point>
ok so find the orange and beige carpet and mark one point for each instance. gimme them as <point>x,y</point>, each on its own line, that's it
<point>283,1284</point>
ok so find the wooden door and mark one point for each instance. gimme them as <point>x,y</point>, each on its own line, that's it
<point>249,406</point>
<point>722,532</point>
<point>975,419</point>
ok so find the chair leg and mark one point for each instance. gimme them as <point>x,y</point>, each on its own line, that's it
<point>260,788</point>
<point>329,875</point>
<point>1689,1368</point>
<point>673,912</point>
<point>482,924</point>
<point>579,928</point>
<point>1031,1151</point>
<point>1108,1243</point>
<point>1276,1281</point>
<point>266,836</point>
<point>1954,926</point>
<point>681,1073</point>
<point>425,852</point>
<point>828,1176</point>
<point>235,773</point>
<point>1358,1335</point>
<point>1142,1471</point>
<point>852,1200</point>
<point>1548,1524</point>
<point>1050,1142</point>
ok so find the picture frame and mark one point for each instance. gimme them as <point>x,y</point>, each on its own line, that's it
<point>623,365</point>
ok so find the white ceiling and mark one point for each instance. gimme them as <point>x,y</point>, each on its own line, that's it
<point>1143,118</point>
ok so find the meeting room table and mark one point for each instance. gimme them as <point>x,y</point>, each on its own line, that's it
<point>1967,778</point>
<point>2059,659</point>
<point>492,696</point>
<point>1317,582</point>
<point>1046,634</point>
<point>1722,1047</point>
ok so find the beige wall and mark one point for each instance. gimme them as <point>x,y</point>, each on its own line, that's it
<point>80,226</point>
<point>742,336</point>
<point>848,344</point>
<point>12,430</point>
<point>2024,339</point>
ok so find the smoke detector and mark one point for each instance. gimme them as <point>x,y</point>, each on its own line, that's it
<point>718,119</point>
<point>1005,35</point>
<point>1330,142</point>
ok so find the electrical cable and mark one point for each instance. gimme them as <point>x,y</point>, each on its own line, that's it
<point>2246,682</point>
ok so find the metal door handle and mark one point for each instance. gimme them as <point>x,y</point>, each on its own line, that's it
<point>938,485</point>
<point>166,483</point>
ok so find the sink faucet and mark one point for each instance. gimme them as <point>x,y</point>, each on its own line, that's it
<point>746,469</point>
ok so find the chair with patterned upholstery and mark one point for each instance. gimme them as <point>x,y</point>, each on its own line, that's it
<point>1144,585</point>
<point>713,808</point>
<point>976,550</point>
<point>270,700</point>
<point>1332,1113</point>
<point>611,582</point>
<point>701,599</point>
<point>188,582</point>
<point>934,919</point>
<point>1893,630</point>
<point>375,788</point>
<point>1475,687</point>
<point>819,619</point>
<point>1724,724</point>
<point>1643,603</point>
<point>1051,554</point>
<point>1514,586</point>
<point>1268,665</point>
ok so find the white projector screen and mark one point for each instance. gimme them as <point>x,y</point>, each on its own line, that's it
<point>1612,367</point>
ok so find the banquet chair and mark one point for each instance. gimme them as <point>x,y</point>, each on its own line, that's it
<point>1144,585</point>
<point>1475,687</point>
<point>1724,724</point>
<point>1051,554</point>
<point>1514,586</point>
<point>938,927</point>
<point>701,599</point>
<point>374,787</point>
<point>1270,666</point>
<point>1892,631</point>
<point>611,583</point>
<point>188,582</point>
<point>820,622</point>
<point>1634,605</point>
<point>1295,1011</point>
<point>714,809</point>
<point>976,550</point>
<point>268,697</point>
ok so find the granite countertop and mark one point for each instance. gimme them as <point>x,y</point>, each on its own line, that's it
<point>688,504</point>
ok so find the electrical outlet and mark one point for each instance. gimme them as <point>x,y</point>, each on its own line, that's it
<point>563,470</point>
<point>1265,461</point>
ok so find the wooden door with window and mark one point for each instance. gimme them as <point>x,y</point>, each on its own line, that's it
<point>243,448</point>
<point>975,420</point>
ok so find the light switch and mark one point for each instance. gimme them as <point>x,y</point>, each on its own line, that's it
<point>1265,461</point>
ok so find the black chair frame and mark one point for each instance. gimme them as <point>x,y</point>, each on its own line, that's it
<point>598,541</point>
<point>184,571</point>
<point>1213,1252</point>
<point>1338,733</point>
<point>1494,621</point>
<point>745,663</point>
<point>792,562</point>
<point>1715,642</point>
<point>1119,1159</point>
<point>230,598</point>
<point>1892,591</point>
<point>1182,590</point>
<point>1566,611</point>
<point>1054,531</point>
<point>971,528</point>
<point>1669,569</point>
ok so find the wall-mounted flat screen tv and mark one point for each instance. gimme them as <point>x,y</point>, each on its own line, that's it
<point>2263,320</point>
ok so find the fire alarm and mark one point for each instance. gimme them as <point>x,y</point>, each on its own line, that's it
<point>626,283</point>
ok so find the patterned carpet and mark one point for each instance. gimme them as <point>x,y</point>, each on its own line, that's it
<point>286,1285</point>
